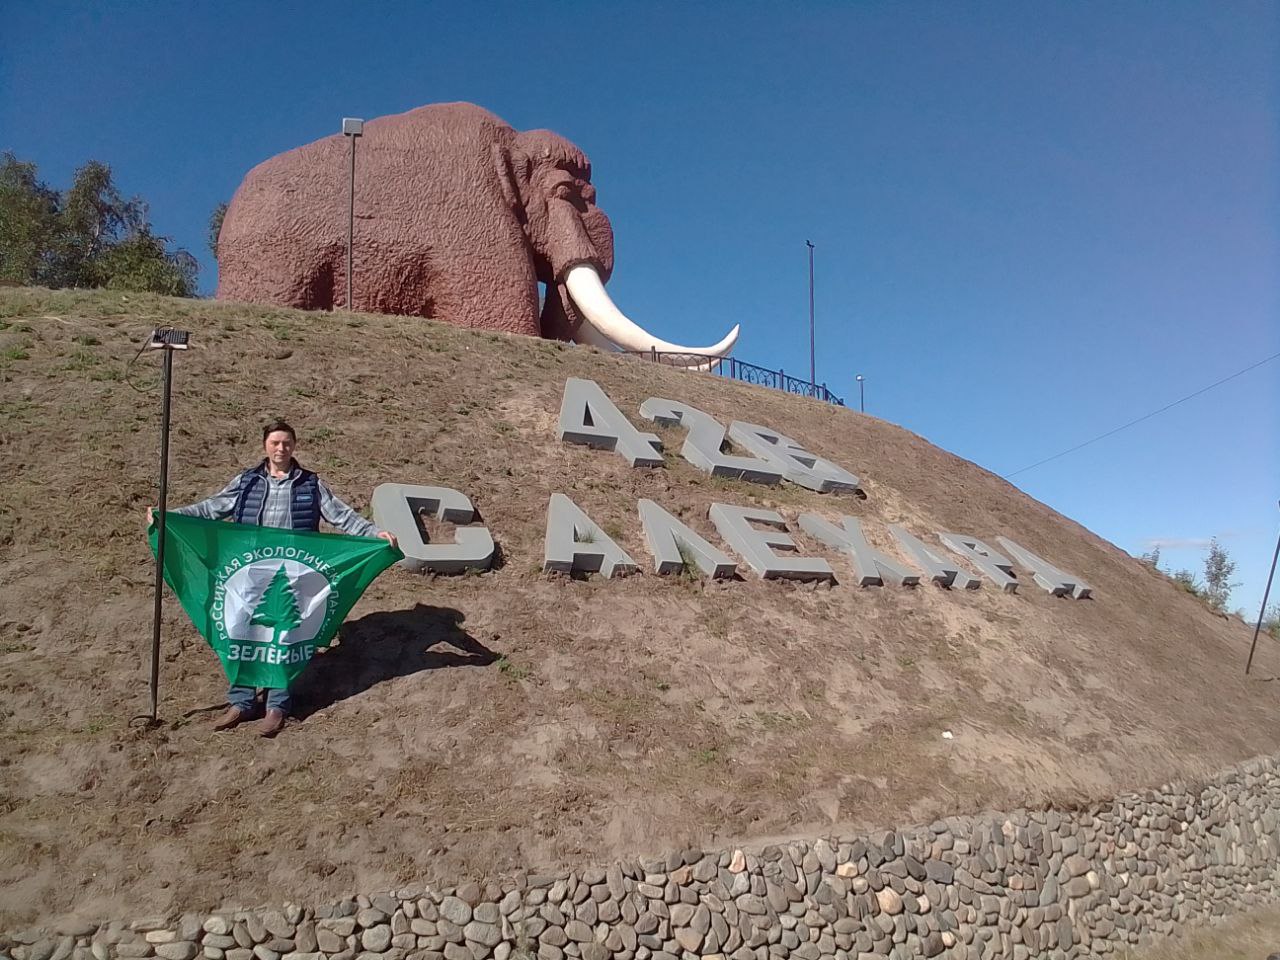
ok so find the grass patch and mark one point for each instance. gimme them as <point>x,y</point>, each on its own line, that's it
<point>278,330</point>
<point>512,670</point>
<point>773,720</point>
<point>690,570</point>
<point>81,360</point>
<point>16,352</point>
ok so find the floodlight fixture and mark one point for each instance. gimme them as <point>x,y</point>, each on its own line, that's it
<point>352,127</point>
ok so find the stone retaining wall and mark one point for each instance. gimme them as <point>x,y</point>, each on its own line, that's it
<point>1045,883</point>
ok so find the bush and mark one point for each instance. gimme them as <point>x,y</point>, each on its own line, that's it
<point>87,236</point>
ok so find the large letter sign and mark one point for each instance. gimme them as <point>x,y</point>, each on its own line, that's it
<point>396,507</point>
<point>795,462</point>
<point>669,541</point>
<point>575,543</point>
<point>1046,574</point>
<point>872,566</point>
<point>703,446</point>
<point>758,547</point>
<point>588,417</point>
<point>994,564</point>
<point>942,570</point>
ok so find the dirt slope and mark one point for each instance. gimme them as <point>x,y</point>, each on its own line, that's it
<point>473,725</point>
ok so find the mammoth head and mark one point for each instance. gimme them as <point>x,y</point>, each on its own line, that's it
<point>565,226</point>
<point>572,243</point>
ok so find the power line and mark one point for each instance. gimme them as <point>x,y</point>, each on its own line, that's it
<point>1148,416</point>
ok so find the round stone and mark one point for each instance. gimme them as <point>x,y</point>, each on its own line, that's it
<point>455,910</point>
<point>376,939</point>
<point>890,901</point>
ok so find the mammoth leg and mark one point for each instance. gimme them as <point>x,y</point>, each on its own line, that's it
<point>555,322</point>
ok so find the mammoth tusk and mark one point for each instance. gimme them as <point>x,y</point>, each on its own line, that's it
<point>607,321</point>
<point>591,337</point>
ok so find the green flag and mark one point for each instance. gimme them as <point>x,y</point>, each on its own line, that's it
<point>266,599</point>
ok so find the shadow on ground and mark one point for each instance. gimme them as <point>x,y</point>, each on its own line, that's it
<point>382,646</point>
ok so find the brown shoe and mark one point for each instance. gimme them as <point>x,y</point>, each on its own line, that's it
<point>233,717</point>
<point>271,724</point>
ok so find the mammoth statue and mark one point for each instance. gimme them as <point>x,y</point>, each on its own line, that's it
<point>458,217</point>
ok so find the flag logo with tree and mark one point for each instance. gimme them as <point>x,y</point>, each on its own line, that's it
<point>266,599</point>
<point>278,607</point>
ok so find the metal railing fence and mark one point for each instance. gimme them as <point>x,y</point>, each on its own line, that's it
<point>735,369</point>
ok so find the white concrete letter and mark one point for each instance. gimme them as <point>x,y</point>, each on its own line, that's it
<point>796,464</point>
<point>396,508</point>
<point>703,447</point>
<point>575,543</point>
<point>758,547</point>
<point>589,417</point>
<point>1044,573</point>
<point>991,562</point>
<point>669,541</point>
<point>873,566</point>
<point>941,569</point>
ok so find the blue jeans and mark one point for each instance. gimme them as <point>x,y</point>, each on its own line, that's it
<point>245,699</point>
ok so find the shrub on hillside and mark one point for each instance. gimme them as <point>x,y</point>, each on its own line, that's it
<point>86,236</point>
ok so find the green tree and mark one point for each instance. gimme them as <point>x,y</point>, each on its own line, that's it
<point>1271,622</point>
<point>88,236</point>
<point>141,263</point>
<point>278,607</point>
<point>28,211</point>
<point>215,227</point>
<point>1151,559</point>
<point>1218,569</point>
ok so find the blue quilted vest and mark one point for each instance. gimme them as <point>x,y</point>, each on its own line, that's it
<point>304,504</point>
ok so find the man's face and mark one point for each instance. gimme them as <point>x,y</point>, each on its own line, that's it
<point>279,446</point>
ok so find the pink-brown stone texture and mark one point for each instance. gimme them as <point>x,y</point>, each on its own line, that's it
<point>457,217</point>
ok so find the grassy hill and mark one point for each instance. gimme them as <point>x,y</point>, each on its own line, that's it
<point>472,725</point>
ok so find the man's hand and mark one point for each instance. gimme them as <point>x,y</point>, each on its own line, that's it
<point>151,515</point>
<point>389,537</point>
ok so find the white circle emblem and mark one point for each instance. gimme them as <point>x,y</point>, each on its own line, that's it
<point>292,617</point>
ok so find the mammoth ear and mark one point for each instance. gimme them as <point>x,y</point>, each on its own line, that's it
<point>513,169</point>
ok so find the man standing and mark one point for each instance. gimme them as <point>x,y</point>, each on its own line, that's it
<point>278,492</point>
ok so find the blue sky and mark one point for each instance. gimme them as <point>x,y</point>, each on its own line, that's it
<point>1033,222</point>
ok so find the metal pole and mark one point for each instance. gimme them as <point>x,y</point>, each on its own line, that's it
<point>160,534</point>
<point>813,376</point>
<point>862,395</point>
<point>1262,612</point>
<point>351,225</point>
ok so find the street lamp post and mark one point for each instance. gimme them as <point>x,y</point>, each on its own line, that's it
<point>354,128</point>
<point>1262,612</point>
<point>862,397</point>
<point>813,374</point>
<point>168,340</point>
